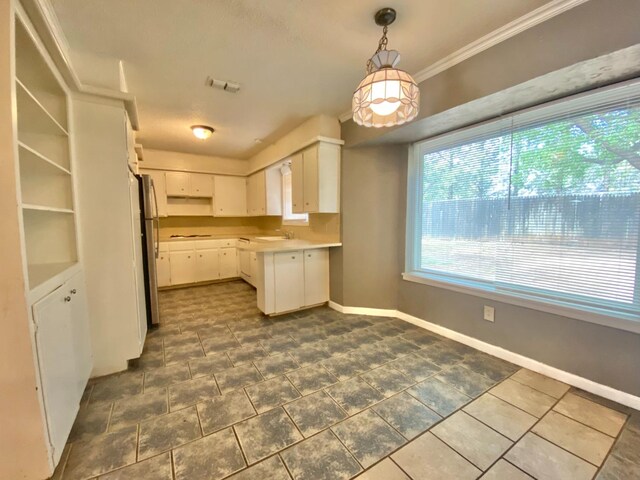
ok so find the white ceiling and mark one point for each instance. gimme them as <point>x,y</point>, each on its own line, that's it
<point>293,58</point>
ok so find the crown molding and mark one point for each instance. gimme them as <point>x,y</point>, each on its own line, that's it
<point>511,29</point>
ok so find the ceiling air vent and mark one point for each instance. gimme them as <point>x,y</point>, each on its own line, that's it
<point>230,87</point>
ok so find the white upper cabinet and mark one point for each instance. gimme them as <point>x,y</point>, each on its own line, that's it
<point>230,196</point>
<point>316,179</point>
<point>264,193</point>
<point>183,184</point>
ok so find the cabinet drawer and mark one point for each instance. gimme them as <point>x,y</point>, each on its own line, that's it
<point>182,246</point>
<point>163,247</point>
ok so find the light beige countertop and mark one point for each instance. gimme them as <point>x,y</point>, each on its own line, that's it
<point>284,245</point>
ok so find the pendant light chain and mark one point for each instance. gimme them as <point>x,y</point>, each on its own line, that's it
<point>382,45</point>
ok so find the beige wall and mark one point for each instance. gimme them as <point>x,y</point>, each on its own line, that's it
<point>23,453</point>
<point>366,271</point>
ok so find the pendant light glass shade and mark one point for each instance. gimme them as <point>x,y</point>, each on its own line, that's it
<point>385,98</point>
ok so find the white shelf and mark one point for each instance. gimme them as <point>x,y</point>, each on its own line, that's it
<point>40,273</point>
<point>33,117</point>
<point>45,208</point>
<point>32,152</point>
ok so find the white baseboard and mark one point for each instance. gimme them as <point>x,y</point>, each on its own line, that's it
<point>604,391</point>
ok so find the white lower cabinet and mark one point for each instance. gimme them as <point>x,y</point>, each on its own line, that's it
<point>63,347</point>
<point>293,280</point>
<point>207,265</point>
<point>228,263</point>
<point>163,268</point>
<point>183,267</point>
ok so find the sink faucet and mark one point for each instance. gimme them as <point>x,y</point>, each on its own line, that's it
<point>288,234</point>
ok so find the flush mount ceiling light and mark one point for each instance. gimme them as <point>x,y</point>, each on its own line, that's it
<point>202,131</point>
<point>387,96</point>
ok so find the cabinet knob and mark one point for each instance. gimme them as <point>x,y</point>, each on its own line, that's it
<point>67,298</point>
<point>308,255</point>
<point>73,291</point>
<point>293,258</point>
<point>189,256</point>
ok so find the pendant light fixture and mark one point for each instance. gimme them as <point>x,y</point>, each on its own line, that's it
<point>387,96</point>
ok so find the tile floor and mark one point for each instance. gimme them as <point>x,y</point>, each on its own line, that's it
<point>223,392</point>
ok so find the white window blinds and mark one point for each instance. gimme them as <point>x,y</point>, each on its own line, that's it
<point>543,205</point>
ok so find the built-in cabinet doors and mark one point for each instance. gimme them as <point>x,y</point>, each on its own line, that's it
<point>256,195</point>
<point>183,267</point>
<point>228,263</point>
<point>64,356</point>
<point>288,276</point>
<point>297,183</point>
<point>163,267</point>
<point>310,180</point>
<point>316,276</point>
<point>230,196</point>
<point>178,184</point>
<point>207,265</point>
<point>201,185</point>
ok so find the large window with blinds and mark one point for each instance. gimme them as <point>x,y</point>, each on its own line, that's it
<point>543,205</point>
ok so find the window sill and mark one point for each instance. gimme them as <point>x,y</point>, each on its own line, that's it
<point>620,323</point>
<point>296,223</point>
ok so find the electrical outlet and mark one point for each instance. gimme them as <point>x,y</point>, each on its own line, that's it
<point>489,313</point>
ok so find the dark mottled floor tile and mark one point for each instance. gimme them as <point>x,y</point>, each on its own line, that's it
<point>387,380</point>
<point>168,431</point>
<point>272,393</point>
<point>354,395</point>
<point>372,356</point>
<point>209,365</point>
<point>165,376</point>
<point>415,367</point>
<point>156,468</point>
<point>339,345</point>
<point>192,391</point>
<point>439,396</point>
<point>136,409</point>
<point>213,457</point>
<point>276,365</point>
<point>311,379</point>
<point>266,434</point>
<point>182,353</point>
<point>91,420</point>
<point>406,414</point>
<point>224,411</point>
<point>238,377</point>
<point>246,354</point>
<point>421,338</point>
<point>368,437</point>
<point>270,469</point>
<point>490,367</point>
<point>398,346</point>
<point>344,367</point>
<point>219,344</point>
<point>441,354</point>
<point>179,340</point>
<point>315,412</point>
<point>116,387</point>
<point>101,454</point>
<point>277,345</point>
<point>321,457</point>
<point>307,355</point>
<point>468,382</point>
<point>252,336</point>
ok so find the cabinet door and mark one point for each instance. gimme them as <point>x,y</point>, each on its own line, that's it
<point>178,184</point>
<point>163,268</point>
<point>230,196</point>
<point>228,263</point>
<point>253,257</point>
<point>316,276</point>
<point>297,183</point>
<point>256,194</point>
<point>207,265</point>
<point>183,267</point>
<point>75,289</point>
<point>57,365</point>
<point>289,281</point>
<point>201,185</point>
<point>310,179</point>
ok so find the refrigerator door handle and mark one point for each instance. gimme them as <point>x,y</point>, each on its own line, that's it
<point>156,220</point>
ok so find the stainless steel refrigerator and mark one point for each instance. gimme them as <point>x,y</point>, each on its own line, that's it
<point>150,244</point>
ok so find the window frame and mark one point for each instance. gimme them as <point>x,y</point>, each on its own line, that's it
<point>617,94</point>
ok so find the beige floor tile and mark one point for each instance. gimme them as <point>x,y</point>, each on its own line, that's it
<point>546,461</point>
<point>503,470</point>
<point>585,411</point>
<point>579,439</point>
<point>429,458</point>
<point>542,383</point>
<point>385,470</point>
<point>473,440</point>
<point>501,416</point>
<point>524,397</point>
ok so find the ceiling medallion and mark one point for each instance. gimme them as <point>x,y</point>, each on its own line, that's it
<point>387,96</point>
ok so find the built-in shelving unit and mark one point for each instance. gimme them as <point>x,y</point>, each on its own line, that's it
<point>46,186</point>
